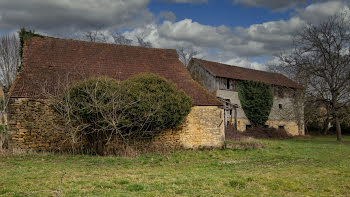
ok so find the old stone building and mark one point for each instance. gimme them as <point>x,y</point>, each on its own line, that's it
<point>287,111</point>
<point>48,61</point>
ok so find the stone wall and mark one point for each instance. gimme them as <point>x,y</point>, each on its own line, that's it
<point>287,116</point>
<point>33,125</point>
<point>204,127</point>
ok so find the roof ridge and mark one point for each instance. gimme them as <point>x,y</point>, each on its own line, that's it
<point>98,43</point>
<point>242,73</point>
<point>236,66</point>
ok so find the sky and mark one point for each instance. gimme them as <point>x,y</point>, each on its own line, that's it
<point>248,33</point>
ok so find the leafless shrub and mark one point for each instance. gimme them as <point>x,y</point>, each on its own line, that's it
<point>121,40</point>
<point>141,41</point>
<point>104,127</point>
<point>9,62</point>
<point>186,54</point>
<point>95,36</point>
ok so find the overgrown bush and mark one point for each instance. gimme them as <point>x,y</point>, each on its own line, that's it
<point>85,98</point>
<point>157,104</point>
<point>103,109</point>
<point>256,99</point>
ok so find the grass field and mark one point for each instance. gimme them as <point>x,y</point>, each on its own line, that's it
<point>296,167</point>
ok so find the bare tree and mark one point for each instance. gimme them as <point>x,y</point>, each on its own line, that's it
<point>141,41</point>
<point>121,40</point>
<point>321,57</point>
<point>9,63</point>
<point>186,54</point>
<point>9,60</point>
<point>95,36</point>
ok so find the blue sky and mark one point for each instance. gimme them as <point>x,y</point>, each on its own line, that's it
<point>248,33</point>
<point>222,12</point>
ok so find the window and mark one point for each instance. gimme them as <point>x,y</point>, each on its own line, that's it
<point>280,127</point>
<point>266,126</point>
<point>230,112</point>
<point>280,106</point>
<point>248,126</point>
<point>227,83</point>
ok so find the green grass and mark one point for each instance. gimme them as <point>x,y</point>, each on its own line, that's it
<point>296,167</point>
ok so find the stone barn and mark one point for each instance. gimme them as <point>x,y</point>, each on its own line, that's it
<point>48,61</point>
<point>287,111</point>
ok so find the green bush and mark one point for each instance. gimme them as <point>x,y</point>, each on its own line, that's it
<point>142,106</point>
<point>84,98</point>
<point>256,100</point>
<point>156,100</point>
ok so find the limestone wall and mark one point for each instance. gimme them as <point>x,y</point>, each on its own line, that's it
<point>204,127</point>
<point>33,125</point>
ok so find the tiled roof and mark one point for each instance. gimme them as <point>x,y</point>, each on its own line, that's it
<point>240,73</point>
<point>47,62</point>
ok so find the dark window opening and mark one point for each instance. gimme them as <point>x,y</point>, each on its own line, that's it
<point>266,126</point>
<point>280,106</point>
<point>248,126</point>
<point>280,127</point>
<point>231,112</point>
<point>227,84</point>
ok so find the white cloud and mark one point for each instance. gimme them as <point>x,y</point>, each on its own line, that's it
<point>270,37</point>
<point>72,15</point>
<point>245,63</point>
<point>209,41</point>
<point>276,5</point>
<point>189,31</point>
<point>317,12</point>
<point>241,45</point>
<point>167,15</point>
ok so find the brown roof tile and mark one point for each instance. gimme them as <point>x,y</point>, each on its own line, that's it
<point>240,73</point>
<point>49,61</point>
